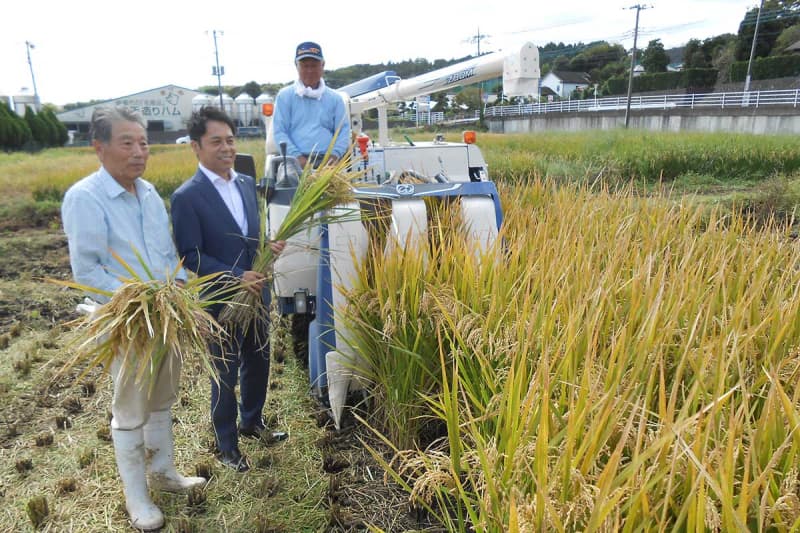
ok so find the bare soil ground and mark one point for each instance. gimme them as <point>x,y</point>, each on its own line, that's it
<point>54,433</point>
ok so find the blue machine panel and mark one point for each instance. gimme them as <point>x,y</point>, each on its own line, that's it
<point>372,83</point>
<point>321,337</point>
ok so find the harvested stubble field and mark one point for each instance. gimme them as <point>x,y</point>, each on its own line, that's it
<point>54,436</point>
<point>631,364</point>
<point>54,439</point>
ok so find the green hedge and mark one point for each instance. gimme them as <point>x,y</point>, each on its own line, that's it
<point>615,85</point>
<point>693,78</point>
<point>660,81</point>
<point>700,78</point>
<point>765,68</point>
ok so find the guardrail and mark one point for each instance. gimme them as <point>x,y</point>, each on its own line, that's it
<point>726,100</point>
<point>438,117</point>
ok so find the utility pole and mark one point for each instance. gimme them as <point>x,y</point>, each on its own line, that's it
<point>638,8</point>
<point>477,38</point>
<point>753,48</point>
<point>28,47</point>
<point>218,71</point>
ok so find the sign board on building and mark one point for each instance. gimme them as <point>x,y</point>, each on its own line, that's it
<point>170,105</point>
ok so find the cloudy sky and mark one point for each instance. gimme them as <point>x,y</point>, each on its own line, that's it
<point>93,49</point>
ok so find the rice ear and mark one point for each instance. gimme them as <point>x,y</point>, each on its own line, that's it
<point>319,190</point>
<point>144,322</point>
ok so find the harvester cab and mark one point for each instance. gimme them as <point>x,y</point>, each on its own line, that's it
<point>315,267</point>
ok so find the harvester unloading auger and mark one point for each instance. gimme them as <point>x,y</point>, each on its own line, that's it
<point>311,272</point>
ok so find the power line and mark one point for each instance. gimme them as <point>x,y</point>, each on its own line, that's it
<point>747,20</point>
<point>572,50</point>
<point>768,15</point>
<point>554,26</point>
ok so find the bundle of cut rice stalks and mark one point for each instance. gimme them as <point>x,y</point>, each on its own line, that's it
<point>319,190</point>
<point>145,321</point>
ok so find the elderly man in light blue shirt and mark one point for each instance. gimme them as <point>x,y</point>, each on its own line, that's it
<point>101,216</point>
<point>308,114</point>
<point>115,210</point>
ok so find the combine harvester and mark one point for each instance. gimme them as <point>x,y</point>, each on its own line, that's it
<point>314,267</point>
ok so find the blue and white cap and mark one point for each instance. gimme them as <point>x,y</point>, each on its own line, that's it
<point>308,50</point>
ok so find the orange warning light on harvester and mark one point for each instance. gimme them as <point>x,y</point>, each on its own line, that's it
<point>363,142</point>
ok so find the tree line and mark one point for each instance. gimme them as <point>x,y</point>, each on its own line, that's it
<point>31,132</point>
<point>703,63</point>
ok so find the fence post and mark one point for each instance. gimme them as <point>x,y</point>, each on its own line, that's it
<point>796,93</point>
<point>692,106</point>
<point>758,98</point>
<point>723,100</point>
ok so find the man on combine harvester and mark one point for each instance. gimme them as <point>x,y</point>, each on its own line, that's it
<point>308,114</point>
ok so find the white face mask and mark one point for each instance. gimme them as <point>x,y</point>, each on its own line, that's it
<point>308,92</point>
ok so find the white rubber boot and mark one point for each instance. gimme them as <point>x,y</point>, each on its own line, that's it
<point>159,443</point>
<point>129,450</point>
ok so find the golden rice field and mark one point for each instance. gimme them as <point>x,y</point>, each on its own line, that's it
<point>696,161</point>
<point>48,174</point>
<point>620,361</point>
<point>618,364</point>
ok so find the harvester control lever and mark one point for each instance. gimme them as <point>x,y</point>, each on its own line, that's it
<point>283,155</point>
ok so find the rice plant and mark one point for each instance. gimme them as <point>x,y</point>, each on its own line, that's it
<point>319,190</point>
<point>145,321</point>
<point>641,155</point>
<point>620,364</point>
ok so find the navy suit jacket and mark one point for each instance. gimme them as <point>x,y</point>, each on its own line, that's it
<point>207,237</point>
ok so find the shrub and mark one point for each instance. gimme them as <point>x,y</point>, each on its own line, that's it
<point>767,67</point>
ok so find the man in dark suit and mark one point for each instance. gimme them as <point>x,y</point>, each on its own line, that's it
<point>216,224</point>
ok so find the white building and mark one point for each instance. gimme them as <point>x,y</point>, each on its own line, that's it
<point>563,83</point>
<point>166,109</point>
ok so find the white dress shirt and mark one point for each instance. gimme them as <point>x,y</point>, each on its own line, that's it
<point>230,195</point>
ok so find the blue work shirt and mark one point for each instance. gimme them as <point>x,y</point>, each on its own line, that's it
<point>308,125</point>
<point>100,216</point>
